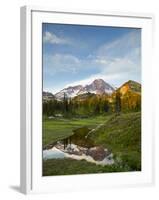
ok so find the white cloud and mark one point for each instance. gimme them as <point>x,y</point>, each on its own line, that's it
<point>121,46</point>
<point>119,65</point>
<point>119,56</point>
<point>90,79</point>
<point>54,39</point>
<point>114,62</point>
<point>60,63</point>
<point>122,56</point>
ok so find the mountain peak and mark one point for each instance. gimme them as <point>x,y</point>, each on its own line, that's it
<point>132,82</point>
<point>98,86</point>
<point>70,91</point>
<point>130,86</point>
<point>99,80</point>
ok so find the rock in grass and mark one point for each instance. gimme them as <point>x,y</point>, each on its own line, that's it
<point>97,153</point>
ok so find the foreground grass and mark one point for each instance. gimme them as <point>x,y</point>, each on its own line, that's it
<point>59,128</point>
<point>69,167</point>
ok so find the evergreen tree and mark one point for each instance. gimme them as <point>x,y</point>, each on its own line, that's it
<point>106,106</point>
<point>65,103</point>
<point>117,102</point>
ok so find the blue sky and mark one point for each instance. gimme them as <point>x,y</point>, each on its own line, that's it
<point>76,54</point>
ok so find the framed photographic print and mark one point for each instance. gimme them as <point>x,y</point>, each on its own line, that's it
<point>86,100</point>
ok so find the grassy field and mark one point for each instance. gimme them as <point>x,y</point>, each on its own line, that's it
<point>121,134</point>
<point>68,166</point>
<point>59,128</point>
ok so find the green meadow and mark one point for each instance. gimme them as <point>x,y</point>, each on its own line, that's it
<point>121,134</point>
<point>59,128</point>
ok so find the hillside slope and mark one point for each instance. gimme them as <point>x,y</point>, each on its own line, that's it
<point>130,85</point>
<point>122,135</point>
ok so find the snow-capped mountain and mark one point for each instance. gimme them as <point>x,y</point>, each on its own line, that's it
<point>48,96</point>
<point>98,86</point>
<point>69,92</point>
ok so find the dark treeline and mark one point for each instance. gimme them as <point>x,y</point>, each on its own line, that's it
<point>92,105</point>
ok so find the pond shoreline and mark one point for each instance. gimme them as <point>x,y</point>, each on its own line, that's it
<point>96,155</point>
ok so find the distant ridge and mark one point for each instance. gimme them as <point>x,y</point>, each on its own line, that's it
<point>97,87</point>
<point>130,85</point>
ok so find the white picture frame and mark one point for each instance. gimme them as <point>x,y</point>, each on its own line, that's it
<point>31,100</point>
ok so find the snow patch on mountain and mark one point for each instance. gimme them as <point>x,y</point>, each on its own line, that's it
<point>98,86</point>
<point>69,92</point>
